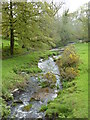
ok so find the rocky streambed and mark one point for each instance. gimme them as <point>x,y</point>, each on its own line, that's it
<point>41,88</point>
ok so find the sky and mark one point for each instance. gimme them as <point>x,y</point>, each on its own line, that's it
<point>73,5</point>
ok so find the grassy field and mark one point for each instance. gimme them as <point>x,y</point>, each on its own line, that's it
<point>72,101</point>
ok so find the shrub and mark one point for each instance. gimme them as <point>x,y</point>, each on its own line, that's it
<point>69,73</point>
<point>50,76</point>
<point>69,57</point>
<point>68,63</point>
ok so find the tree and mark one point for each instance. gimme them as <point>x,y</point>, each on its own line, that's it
<point>5,20</point>
<point>35,24</point>
<point>8,23</point>
<point>31,23</point>
<point>73,26</point>
<point>11,30</point>
<point>80,23</point>
<point>64,28</point>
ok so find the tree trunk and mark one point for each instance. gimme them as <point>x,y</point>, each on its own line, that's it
<point>11,30</point>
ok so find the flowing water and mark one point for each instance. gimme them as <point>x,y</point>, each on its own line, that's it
<point>36,95</point>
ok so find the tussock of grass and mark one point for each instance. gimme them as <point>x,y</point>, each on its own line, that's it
<point>43,108</point>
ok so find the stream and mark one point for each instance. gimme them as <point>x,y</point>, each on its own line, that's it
<point>35,95</point>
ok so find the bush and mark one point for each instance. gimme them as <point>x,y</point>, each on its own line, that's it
<point>50,76</point>
<point>68,63</point>
<point>69,57</point>
<point>69,73</point>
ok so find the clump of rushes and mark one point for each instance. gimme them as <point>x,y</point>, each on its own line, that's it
<point>5,110</point>
<point>43,108</point>
<point>27,107</point>
<point>68,63</point>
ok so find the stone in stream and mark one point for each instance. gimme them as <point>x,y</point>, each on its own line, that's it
<point>17,91</point>
<point>62,49</point>
<point>18,101</point>
<point>41,94</point>
<point>39,118</point>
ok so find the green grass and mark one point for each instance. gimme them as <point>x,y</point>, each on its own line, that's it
<point>18,50</point>
<point>72,101</point>
<point>6,42</point>
<point>6,48</point>
<point>43,108</point>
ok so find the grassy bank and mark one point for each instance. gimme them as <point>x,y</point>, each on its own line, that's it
<point>12,69</point>
<point>72,101</point>
<point>23,60</point>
